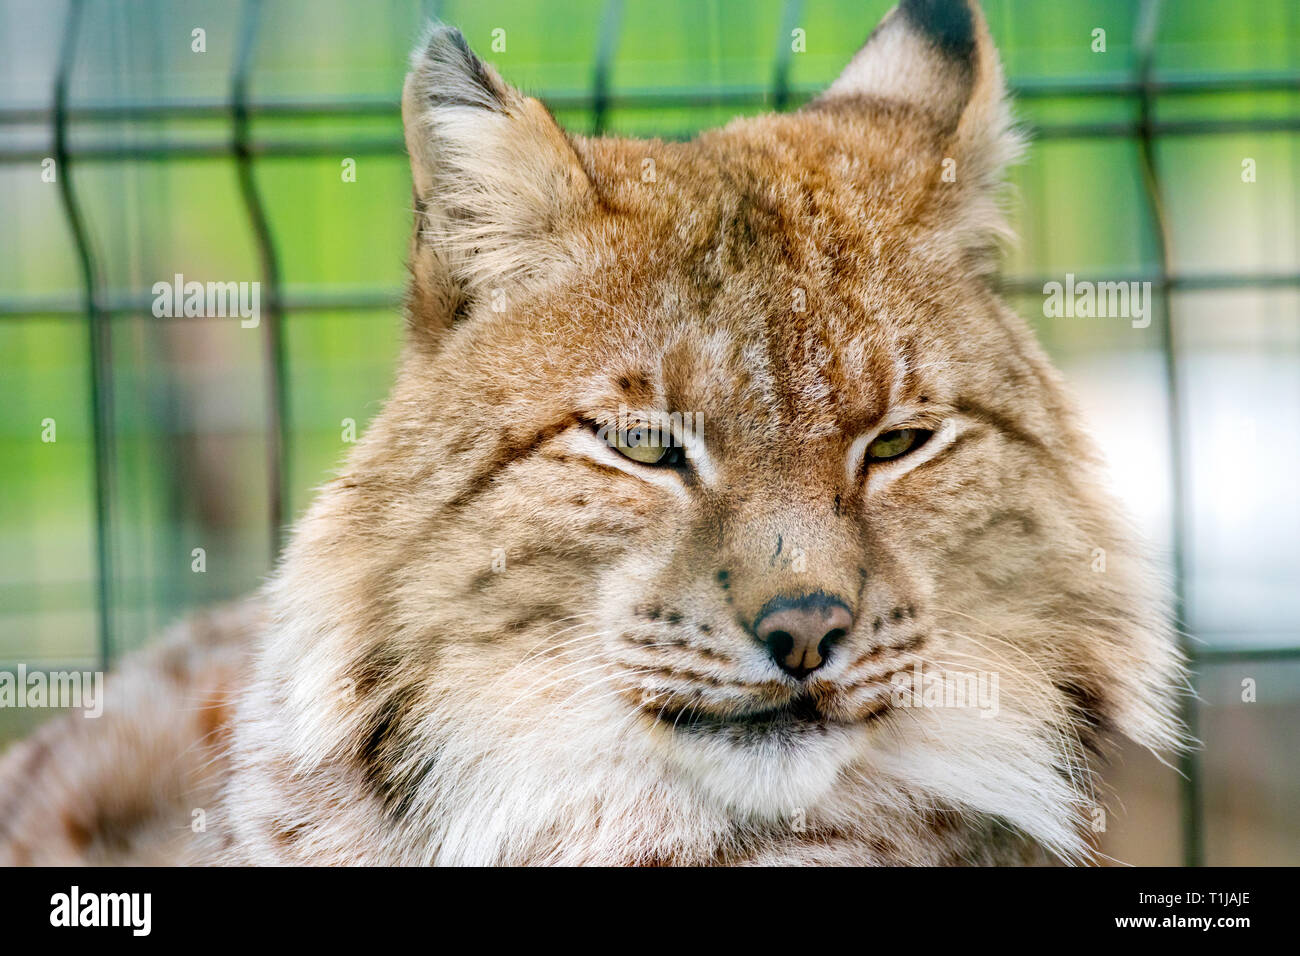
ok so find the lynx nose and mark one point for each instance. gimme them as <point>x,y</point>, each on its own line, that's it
<point>800,632</point>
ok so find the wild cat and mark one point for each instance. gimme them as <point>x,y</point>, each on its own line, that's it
<point>720,513</point>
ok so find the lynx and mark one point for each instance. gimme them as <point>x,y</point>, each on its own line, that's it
<point>851,614</point>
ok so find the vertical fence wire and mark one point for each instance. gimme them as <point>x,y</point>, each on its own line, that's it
<point>277,400</point>
<point>99,337</point>
<point>784,51</point>
<point>1190,784</point>
<point>611,24</point>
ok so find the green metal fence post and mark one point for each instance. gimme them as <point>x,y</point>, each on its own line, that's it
<point>1148,28</point>
<point>273,327</point>
<point>784,50</point>
<point>99,337</point>
<point>611,22</point>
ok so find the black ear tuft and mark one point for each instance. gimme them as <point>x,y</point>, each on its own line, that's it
<point>949,24</point>
<point>451,75</point>
<point>497,182</point>
<point>929,53</point>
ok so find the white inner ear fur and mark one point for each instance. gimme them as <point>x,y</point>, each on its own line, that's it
<point>899,63</point>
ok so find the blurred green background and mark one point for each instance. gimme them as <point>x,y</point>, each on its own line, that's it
<point>1200,420</point>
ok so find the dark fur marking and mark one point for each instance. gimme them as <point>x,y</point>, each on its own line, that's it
<point>1012,520</point>
<point>949,449</point>
<point>79,835</point>
<point>447,45</point>
<point>380,754</point>
<point>507,452</point>
<point>536,614</point>
<point>680,642</point>
<point>607,470</point>
<point>373,670</point>
<point>287,834</point>
<point>1003,424</point>
<point>709,679</point>
<point>1090,706</point>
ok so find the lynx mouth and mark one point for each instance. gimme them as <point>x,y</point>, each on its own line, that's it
<point>800,714</point>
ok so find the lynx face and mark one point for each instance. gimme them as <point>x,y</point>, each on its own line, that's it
<point>714,474</point>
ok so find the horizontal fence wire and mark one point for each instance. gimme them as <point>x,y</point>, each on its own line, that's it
<point>384,298</point>
<point>285,146</point>
<point>97,305</point>
<point>740,95</point>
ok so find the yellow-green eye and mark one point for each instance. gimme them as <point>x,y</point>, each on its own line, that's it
<point>644,444</point>
<point>897,443</point>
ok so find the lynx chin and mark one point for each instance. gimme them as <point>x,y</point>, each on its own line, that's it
<point>682,658</point>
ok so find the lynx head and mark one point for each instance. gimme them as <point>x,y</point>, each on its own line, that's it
<point>718,489</point>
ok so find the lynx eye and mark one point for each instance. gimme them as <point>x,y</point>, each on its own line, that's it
<point>896,443</point>
<point>644,444</point>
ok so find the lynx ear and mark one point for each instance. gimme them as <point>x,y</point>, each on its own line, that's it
<point>937,56</point>
<point>495,177</point>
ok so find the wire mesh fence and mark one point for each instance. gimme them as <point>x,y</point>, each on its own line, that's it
<point>1126,113</point>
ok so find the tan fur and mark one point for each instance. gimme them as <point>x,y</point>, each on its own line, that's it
<point>803,281</point>
<point>124,787</point>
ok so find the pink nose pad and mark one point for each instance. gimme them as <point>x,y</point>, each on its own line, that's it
<point>799,633</point>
